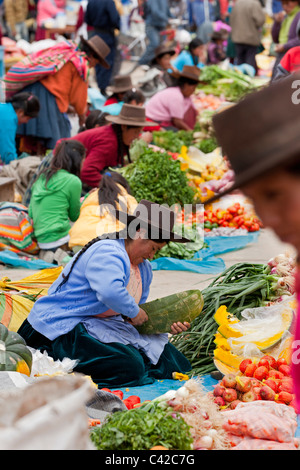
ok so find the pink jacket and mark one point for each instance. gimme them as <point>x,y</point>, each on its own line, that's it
<point>47,9</point>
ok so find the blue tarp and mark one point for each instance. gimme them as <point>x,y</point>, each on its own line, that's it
<point>205,261</point>
<point>13,259</point>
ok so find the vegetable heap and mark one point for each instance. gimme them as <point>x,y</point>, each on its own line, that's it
<point>231,84</point>
<point>183,250</point>
<point>174,141</point>
<point>234,216</point>
<point>142,428</point>
<point>158,177</point>
<point>241,286</point>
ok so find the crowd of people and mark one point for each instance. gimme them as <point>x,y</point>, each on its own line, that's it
<point>75,199</point>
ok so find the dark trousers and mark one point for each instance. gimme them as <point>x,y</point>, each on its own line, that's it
<point>245,54</point>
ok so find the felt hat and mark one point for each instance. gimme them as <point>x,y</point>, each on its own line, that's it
<point>99,47</point>
<point>261,132</point>
<point>122,83</point>
<point>162,50</point>
<point>131,115</point>
<point>191,72</point>
<point>158,219</point>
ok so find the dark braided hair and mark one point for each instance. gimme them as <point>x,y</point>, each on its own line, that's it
<point>122,148</point>
<point>26,101</point>
<point>116,235</point>
<point>68,155</point>
<point>109,190</point>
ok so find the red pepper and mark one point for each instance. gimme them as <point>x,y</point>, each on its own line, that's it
<point>128,404</point>
<point>118,393</point>
<point>106,390</point>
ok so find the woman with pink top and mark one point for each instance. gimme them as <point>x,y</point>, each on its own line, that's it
<point>173,107</point>
<point>47,10</point>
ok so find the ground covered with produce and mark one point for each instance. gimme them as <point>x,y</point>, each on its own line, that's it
<point>239,392</point>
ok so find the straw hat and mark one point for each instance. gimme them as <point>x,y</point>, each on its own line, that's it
<point>156,218</point>
<point>122,83</point>
<point>261,132</point>
<point>131,115</point>
<point>99,47</point>
<point>162,50</point>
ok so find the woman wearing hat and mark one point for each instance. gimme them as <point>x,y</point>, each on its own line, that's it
<point>91,311</point>
<point>173,107</point>
<point>122,84</point>
<point>158,76</point>
<point>58,76</point>
<point>108,146</point>
<point>265,155</point>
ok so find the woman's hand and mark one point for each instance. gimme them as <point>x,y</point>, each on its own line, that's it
<point>141,318</point>
<point>179,327</point>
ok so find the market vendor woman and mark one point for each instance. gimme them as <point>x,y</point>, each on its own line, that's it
<point>91,311</point>
<point>265,155</point>
<point>173,107</point>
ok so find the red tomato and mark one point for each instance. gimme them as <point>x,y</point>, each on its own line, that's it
<point>280,362</point>
<point>250,369</point>
<point>244,364</point>
<point>264,362</point>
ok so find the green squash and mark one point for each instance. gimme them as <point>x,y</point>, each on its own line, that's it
<point>14,353</point>
<point>162,313</point>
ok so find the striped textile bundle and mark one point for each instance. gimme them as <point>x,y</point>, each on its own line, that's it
<point>16,230</point>
<point>38,65</point>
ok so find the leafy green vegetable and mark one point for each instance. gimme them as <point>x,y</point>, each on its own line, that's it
<point>173,141</point>
<point>156,176</point>
<point>207,145</point>
<point>230,83</point>
<point>183,250</point>
<point>141,429</point>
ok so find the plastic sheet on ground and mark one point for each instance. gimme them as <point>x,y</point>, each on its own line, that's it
<point>13,259</point>
<point>205,261</point>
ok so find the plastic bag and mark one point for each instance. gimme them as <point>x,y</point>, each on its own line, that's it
<point>260,421</point>
<point>263,326</point>
<point>49,414</point>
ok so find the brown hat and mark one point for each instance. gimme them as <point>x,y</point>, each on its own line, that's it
<point>189,71</point>
<point>131,115</point>
<point>158,219</point>
<point>99,47</point>
<point>162,50</point>
<point>122,83</point>
<point>261,132</point>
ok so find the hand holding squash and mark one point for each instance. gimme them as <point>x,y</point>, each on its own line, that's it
<point>179,327</point>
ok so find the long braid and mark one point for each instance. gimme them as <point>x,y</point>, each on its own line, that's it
<point>118,235</point>
<point>82,251</point>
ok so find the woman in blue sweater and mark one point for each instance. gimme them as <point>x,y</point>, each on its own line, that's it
<point>18,110</point>
<point>91,311</point>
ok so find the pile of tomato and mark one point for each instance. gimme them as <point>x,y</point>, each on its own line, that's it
<point>234,216</point>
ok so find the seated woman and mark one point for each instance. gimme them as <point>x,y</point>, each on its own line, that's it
<point>122,84</point>
<point>18,110</point>
<point>55,198</point>
<point>195,54</point>
<point>173,107</point>
<point>108,146</point>
<point>158,76</point>
<point>97,210</point>
<point>132,96</point>
<point>91,311</point>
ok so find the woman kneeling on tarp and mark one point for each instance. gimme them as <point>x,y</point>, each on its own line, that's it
<point>173,107</point>
<point>92,309</point>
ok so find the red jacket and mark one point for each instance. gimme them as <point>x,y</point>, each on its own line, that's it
<point>101,145</point>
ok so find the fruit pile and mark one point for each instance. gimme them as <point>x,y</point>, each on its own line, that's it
<point>234,216</point>
<point>266,379</point>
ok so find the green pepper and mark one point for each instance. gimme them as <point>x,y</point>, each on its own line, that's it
<point>207,224</point>
<point>214,225</point>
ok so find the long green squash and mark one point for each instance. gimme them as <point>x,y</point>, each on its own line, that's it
<point>162,313</point>
<point>14,353</point>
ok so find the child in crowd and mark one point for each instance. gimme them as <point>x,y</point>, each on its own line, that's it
<point>55,198</point>
<point>216,52</point>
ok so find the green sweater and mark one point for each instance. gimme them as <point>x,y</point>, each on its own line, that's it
<point>51,208</point>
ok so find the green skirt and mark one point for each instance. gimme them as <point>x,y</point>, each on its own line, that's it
<point>108,364</point>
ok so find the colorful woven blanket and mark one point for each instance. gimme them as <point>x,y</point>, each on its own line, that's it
<point>38,65</point>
